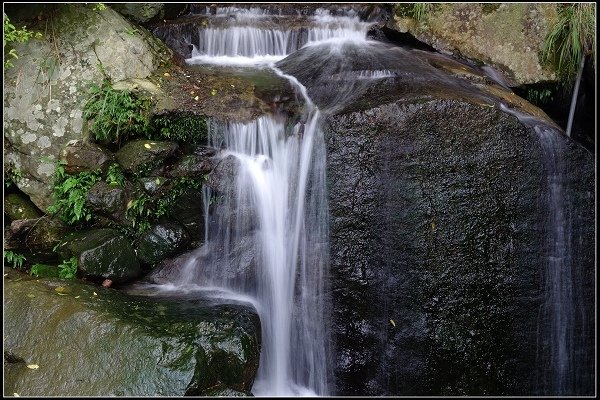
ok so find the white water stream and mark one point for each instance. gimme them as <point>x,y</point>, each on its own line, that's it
<point>274,221</point>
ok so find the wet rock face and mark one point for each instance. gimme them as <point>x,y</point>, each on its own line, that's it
<point>102,342</point>
<point>102,254</point>
<point>436,231</point>
<point>161,241</point>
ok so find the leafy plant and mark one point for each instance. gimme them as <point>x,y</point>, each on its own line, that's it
<point>99,7</point>
<point>116,114</point>
<point>13,258</point>
<point>184,129</point>
<point>14,176</point>
<point>139,212</point>
<point>11,35</point>
<point>115,176</point>
<point>572,37</point>
<point>144,210</point>
<point>68,268</point>
<point>421,11</point>
<point>70,192</point>
<point>542,96</point>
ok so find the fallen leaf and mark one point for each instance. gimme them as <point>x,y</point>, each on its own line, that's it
<point>33,366</point>
<point>166,74</point>
<point>95,294</point>
<point>196,98</point>
<point>393,323</point>
<point>16,394</point>
<point>433,225</point>
<point>31,296</point>
<point>146,145</point>
<point>77,297</point>
<point>213,92</point>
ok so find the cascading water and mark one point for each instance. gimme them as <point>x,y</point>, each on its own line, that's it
<point>268,236</point>
<point>559,344</point>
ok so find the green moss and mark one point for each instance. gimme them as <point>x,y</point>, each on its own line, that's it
<point>489,8</point>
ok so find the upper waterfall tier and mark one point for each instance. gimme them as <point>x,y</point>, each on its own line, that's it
<point>229,35</point>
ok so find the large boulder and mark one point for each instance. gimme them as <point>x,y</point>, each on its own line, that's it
<point>139,154</point>
<point>92,341</point>
<point>508,36</point>
<point>439,249</point>
<point>45,91</point>
<point>449,221</point>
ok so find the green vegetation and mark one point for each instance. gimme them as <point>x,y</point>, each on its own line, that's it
<point>43,270</point>
<point>15,259</point>
<point>68,268</point>
<point>70,192</point>
<point>572,37</point>
<point>100,7</point>
<point>115,175</point>
<point>417,11</point>
<point>184,129</point>
<point>539,97</point>
<point>11,35</point>
<point>12,176</point>
<point>116,114</point>
<point>145,210</point>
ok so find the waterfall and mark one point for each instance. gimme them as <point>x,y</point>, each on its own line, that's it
<point>267,236</point>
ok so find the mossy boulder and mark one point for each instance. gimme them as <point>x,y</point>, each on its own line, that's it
<point>138,154</point>
<point>102,254</point>
<point>18,206</point>
<point>192,166</point>
<point>140,12</point>
<point>188,210</point>
<point>94,341</point>
<point>38,234</point>
<point>153,184</point>
<point>513,34</point>
<point>161,241</point>
<point>45,91</point>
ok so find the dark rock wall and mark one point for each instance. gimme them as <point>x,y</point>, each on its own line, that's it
<point>436,231</point>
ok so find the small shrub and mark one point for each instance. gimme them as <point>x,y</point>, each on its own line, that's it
<point>11,35</point>
<point>12,176</point>
<point>183,129</point>
<point>572,37</point>
<point>70,192</point>
<point>116,114</point>
<point>115,175</point>
<point>68,268</point>
<point>15,259</point>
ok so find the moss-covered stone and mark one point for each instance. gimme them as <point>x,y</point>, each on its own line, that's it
<point>508,36</point>
<point>18,206</point>
<point>93,341</point>
<point>102,254</point>
<point>136,154</point>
